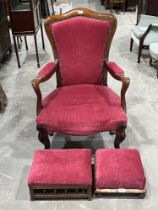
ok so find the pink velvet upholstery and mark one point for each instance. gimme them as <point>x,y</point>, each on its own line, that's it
<point>81,44</point>
<point>113,68</point>
<point>119,168</point>
<point>82,110</point>
<point>69,166</point>
<point>48,70</point>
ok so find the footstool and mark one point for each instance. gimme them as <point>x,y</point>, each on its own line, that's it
<point>60,174</point>
<point>120,172</point>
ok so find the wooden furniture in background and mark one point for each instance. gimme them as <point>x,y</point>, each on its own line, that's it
<point>45,7</point>
<point>5,44</point>
<point>25,19</point>
<point>131,5</point>
<point>147,7</point>
<point>112,3</point>
<point>144,33</point>
<point>127,5</point>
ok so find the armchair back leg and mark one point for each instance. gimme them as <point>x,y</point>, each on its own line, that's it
<point>140,50</point>
<point>43,136</point>
<point>131,45</point>
<point>150,61</point>
<point>120,136</point>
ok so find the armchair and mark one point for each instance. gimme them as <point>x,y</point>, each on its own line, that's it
<point>145,33</point>
<point>82,104</point>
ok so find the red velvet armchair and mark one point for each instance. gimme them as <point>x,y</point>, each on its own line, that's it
<point>82,104</point>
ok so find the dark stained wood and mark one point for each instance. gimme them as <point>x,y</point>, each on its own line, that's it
<point>111,3</point>
<point>147,7</point>
<point>131,5</point>
<point>48,191</point>
<point>5,43</point>
<point>120,136</point>
<point>25,22</point>
<point>43,136</point>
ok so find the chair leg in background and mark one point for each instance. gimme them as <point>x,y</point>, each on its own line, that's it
<point>52,2</point>
<point>10,50</point>
<point>150,62</point>
<point>139,52</point>
<point>18,42</point>
<point>16,51</point>
<point>43,45</point>
<point>43,136</point>
<point>36,48</point>
<point>26,46</point>
<point>131,45</point>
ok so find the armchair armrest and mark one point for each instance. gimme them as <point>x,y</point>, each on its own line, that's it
<point>45,74</point>
<point>118,73</point>
<point>113,68</point>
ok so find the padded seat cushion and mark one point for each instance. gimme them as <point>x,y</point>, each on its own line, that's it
<point>82,110</point>
<point>69,167</point>
<point>139,31</point>
<point>119,168</point>
<point>154,50</point>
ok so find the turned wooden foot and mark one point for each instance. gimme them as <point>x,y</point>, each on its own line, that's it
<point>43,136</point>
<point>120,136</point>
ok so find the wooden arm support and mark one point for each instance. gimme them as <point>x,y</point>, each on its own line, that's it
<point>36,86</point>
<point>125,83</point>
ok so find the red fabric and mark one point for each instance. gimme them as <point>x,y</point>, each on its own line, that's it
<point>48,70</point>
<point>82,110</point>
<point>81,44</point>
<point>119,168</point>
<point>114,68</point>
<point>69,166</point>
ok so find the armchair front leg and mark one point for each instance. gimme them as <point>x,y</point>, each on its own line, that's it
<point>44,75</point>
<point>118,73</point>
<point>120,136</point>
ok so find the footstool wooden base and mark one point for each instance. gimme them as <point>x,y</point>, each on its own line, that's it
<point>59,174</point>
<point>119,172</point>
<point>39,192</point>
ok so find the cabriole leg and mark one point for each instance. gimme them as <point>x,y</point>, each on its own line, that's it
<point>43,136</point>
<point>120,136</point>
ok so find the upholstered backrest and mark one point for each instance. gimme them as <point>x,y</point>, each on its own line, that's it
<point>81,44</point>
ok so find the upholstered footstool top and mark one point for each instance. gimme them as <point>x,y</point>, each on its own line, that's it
<point>119,169</point>
<point>60,173</point>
